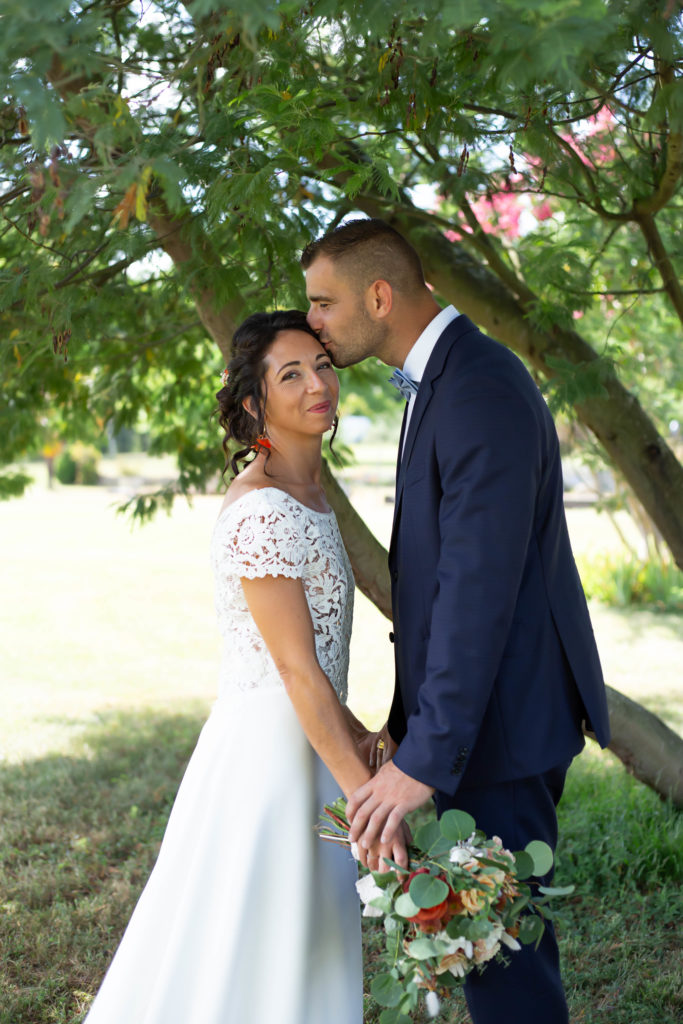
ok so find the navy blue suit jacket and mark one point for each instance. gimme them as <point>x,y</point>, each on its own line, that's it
<point>496,663</point>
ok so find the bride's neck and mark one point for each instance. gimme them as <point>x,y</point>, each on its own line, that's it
<point>297,465</point>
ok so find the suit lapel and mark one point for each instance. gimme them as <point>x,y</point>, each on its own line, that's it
<point>433,371</point>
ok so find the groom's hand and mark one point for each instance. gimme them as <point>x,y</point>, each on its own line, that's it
<point>377,808</point>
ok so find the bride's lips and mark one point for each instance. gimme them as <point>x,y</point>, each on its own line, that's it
<point>321,407</point>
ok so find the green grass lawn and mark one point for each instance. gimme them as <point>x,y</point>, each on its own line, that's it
<point>108,660</point>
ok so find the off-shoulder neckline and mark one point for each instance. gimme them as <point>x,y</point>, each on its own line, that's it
<point>255,490</point>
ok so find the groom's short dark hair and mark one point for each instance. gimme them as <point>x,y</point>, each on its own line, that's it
<point>369,249</point>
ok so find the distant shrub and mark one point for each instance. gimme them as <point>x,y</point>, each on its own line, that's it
<point>626,581</point>
<point>65,468</point>
<point>77,464</point>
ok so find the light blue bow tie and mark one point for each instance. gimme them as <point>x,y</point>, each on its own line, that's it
<point>404,384</point>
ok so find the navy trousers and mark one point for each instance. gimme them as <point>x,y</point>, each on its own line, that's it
<point>529,989</point>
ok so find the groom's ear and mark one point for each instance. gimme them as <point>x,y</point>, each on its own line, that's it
<point>379,299</point>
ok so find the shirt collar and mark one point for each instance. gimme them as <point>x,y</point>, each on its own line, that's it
<point>417,358</point>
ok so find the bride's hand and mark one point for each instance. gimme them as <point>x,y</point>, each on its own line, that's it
<point>382,749</point>
<point>396,850</point>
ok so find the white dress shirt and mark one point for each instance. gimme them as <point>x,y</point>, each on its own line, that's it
<point>418,357</point>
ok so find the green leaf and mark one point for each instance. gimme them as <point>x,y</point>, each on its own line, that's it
<point>519,904</point>
<point>459,927</point>
<point>479,929</point>
<point>386,990</point>
<point>44,111</point>
<point>427,891</point>
<point>427,835</point>
<point>393,1017</point>
<point>542,856</point>
<point>524,865</point>
<point>423,948</point>
<point>557,890</point>
<point>456,825</point>
<point>383,903</point>
<point>530,930</point>
<point>80,202</point>
<point>385,879</point>
<point>404,906</point>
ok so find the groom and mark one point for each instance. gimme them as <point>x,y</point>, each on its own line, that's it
<point>496,665</point>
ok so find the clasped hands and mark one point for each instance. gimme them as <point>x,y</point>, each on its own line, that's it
<point>376,810</point>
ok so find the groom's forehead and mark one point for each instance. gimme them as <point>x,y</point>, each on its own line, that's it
<point>325,280</point>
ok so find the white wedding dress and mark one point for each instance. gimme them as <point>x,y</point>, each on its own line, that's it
<point>248,917</point>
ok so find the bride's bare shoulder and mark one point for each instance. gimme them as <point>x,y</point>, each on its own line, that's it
<point>248,480</point>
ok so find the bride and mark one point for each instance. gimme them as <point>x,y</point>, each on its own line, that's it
<point>248,918</point>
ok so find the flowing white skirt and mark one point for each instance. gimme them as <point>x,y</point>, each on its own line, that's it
<point>248,917</point>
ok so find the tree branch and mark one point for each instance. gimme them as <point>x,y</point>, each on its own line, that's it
<point>662,261</point>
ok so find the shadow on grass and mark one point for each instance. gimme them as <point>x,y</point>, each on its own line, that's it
<point>642,620</point>
<point>79,834</point>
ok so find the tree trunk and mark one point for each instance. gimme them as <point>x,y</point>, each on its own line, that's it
<point>650,749</point>
<point>366,554</point>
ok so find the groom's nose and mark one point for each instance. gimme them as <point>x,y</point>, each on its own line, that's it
<point>313,319</point>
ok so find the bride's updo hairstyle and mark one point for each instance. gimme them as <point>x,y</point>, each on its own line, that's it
<point>246,379</point>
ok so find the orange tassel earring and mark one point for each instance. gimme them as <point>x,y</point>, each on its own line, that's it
<point>261,442</point>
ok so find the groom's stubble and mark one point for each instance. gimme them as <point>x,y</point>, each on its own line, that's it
<point>363,339</point>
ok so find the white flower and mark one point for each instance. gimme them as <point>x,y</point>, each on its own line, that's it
<point>485,949</point>
<point>453,945</point>
<point>508,941</point>
<point>459,855</point>
<point>368,890</point>
<point>463,854</point>
<point>433,1004</point>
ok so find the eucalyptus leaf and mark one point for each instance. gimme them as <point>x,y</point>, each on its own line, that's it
<point>424,949</point>
<point>404,906</point>
<point>557,890</point>
<point>459,927</point>
<point>383,903</point>
<point>427,891</point>
<point>524,865</point>
<point>456,826</point>
<point>519,904</point>
<point>386,990</point>
<point>428,836</point>
<point>479,929</point>
<point>542,856</point>
<point>530,930</point>
<point>393,1016</point>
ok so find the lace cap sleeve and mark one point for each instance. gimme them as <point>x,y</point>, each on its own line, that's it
<point>259,535</point>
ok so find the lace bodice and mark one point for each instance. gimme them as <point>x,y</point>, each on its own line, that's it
<point>268,533</point>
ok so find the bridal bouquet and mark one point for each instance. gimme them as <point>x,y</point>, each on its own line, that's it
<point>462,902</point>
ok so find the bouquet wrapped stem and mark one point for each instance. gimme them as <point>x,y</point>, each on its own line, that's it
<point>463,901</point>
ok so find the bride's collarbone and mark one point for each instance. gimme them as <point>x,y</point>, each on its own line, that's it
<point>309,494</point>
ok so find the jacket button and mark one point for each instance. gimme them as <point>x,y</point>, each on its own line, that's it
<point>391,637</point>
<point>394,575</point>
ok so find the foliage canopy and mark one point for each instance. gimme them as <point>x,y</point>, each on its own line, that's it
<point>162,164</point>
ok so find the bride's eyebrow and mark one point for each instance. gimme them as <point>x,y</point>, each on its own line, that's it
<point>294,362</point>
